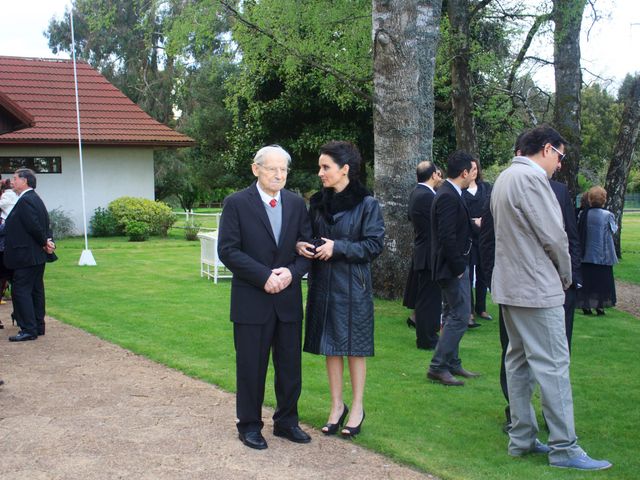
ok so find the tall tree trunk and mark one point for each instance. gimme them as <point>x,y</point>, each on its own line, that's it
<point>405,38</point>
<point>618,173</point>
<point>567,16</point>
<point>459,13</point>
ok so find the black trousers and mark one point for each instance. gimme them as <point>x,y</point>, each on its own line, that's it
<point>428,308</point>
<point>27,294</point>
<point>479,298</point>
<point>253,345</point>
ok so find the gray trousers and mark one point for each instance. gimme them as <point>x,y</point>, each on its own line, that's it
<point>456,310</point>
<point>538,353</point>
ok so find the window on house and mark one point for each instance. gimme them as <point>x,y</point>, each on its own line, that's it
<point>37,164</point>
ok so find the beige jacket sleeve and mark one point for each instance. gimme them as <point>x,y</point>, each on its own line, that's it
<point>545,218</point>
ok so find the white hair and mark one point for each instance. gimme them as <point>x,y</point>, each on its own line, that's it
<point>264,151</point>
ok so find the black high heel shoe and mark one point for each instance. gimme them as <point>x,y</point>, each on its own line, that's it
<point>352,431</point>
<point>411,323</point>
<point>332,428</point>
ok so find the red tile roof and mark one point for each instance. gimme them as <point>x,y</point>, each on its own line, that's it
<point>40,94</point>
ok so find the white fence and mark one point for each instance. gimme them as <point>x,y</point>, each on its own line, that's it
<point>208,221</point>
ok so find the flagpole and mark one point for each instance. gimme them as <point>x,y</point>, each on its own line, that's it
<point>86,258</point>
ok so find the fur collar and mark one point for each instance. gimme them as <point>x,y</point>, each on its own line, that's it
<point>328,202</point>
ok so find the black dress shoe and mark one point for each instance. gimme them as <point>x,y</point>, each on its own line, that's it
<point>461,372</point>
<point>22,337</point>
<point>445,378</point>
<point>253,440</point>
<point>294,434</point>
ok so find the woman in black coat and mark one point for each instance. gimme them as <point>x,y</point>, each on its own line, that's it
<point>348,234</point>
<point>475,196</point>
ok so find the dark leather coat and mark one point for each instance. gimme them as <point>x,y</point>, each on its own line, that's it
<point>340,298</point>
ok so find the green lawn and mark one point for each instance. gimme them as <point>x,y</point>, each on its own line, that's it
<point>629,267</point>
<point>149,298</point>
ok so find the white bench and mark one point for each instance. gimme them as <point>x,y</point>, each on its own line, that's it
<point>209,257</point>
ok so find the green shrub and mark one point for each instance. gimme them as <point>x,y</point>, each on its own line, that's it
<point>156,215</point>
<point>61,224</point>
<point>191,230</point>
<point>103,223</point>
<point>136,231</point>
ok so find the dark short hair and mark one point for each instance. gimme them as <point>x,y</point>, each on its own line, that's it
<point>425,170</point>
<point>535,139</point>
<point>517,145</point>
<point>344,153</point>
<point>27,174</point>
<point>458,162</point>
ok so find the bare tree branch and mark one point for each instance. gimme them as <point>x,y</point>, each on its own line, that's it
<point>525,47</point>
<point>477,7</point>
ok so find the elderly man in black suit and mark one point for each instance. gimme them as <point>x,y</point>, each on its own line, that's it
<point>428,298</point>
<point>28,246</point>
<point>450,247</point>
<point>259,229</point>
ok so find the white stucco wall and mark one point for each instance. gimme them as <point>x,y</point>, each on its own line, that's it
<point>109,173</point>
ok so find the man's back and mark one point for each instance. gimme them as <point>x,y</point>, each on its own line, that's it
<point>532,263</point>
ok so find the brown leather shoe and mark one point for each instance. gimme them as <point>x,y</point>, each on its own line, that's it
<point>461,372</point>
<point>445,378</point>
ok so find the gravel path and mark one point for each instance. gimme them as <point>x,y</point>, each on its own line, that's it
<point>628,298</point>
<point>76,407</point>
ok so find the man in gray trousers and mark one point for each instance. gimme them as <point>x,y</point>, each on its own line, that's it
<point>532,270</point>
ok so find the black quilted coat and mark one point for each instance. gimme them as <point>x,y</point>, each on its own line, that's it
<point>340,299</point>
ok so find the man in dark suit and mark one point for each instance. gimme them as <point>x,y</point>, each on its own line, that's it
<point>259,229</point>
<point>575,252</point>
<point>428,298</point>
<point>27,244</point>
<point>450,247</point>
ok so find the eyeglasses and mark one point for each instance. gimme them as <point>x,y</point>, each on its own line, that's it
<point>274,170</point>
<point>560,154</point>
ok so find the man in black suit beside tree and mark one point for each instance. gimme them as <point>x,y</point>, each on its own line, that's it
<point>259,229</point>
<point>28,246</point>
<point>428,304</point>
<point>450,247</point>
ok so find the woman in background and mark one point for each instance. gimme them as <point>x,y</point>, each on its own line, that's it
<point>596,227</point>
<point>8,199</point>
<point>476,197</point>
<point>348,232</point>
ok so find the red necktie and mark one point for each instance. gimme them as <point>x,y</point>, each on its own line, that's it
<point>273,202</point>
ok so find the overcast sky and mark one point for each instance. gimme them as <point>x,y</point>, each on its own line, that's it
<point>611,50</point>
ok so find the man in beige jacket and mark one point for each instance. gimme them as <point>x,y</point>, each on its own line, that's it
<point>532,270</point>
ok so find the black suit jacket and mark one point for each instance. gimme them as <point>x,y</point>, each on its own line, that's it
<point>450,233</point>
<point>568,216</point>
<point>26,231</point>
<point>420,202</point>
<point>247,247</point>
